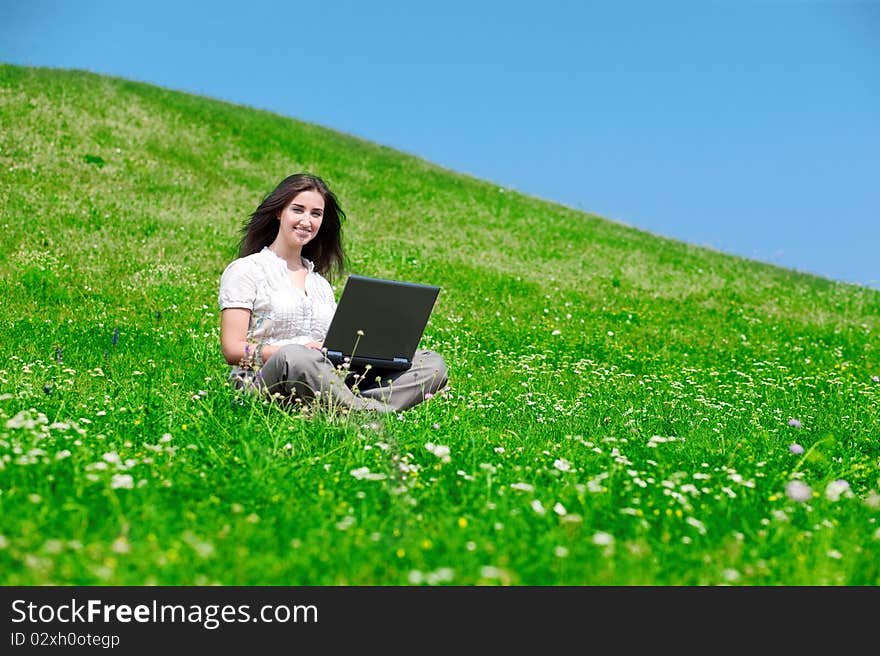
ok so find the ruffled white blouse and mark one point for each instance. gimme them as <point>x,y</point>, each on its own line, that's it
<point>281,313</point>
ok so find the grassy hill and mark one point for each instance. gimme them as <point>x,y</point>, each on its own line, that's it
<point>623,409</point>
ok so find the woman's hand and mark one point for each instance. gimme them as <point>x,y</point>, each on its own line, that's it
<point>315,345</point>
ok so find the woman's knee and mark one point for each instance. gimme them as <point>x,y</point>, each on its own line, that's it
<point>297,354</point>
<point>434,367</point>
<point>293,362</point>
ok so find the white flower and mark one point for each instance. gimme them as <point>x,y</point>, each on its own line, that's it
<point>491,572</point>
<point>798,491</point>
<point>438,450</point>
<point>562,464</point>
<point>122,481</point>
<point>836,489</point>
<point>559,509</point>
<point>345,523</point>
<point>538,507</point>
<point>697,524</point>
<point>595,483</point>
<point>603,539</point>
<point>364,473</point>
<point>24,420</point>
<point>441,575</point>
<point>525,487</point>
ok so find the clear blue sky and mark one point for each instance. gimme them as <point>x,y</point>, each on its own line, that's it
<point>750,126</point>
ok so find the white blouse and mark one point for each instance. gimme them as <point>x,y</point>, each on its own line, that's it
<point>281,313</point>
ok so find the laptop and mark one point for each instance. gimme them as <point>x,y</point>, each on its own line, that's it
<point>391,315</point>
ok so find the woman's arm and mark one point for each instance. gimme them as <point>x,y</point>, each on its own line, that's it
<point>234,323</point>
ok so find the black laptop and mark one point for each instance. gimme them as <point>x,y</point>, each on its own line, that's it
<point>379,322</point>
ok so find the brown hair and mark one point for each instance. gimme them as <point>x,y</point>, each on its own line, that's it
<point>325,250</point>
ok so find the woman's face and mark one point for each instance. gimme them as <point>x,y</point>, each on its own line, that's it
<point>301,218</point>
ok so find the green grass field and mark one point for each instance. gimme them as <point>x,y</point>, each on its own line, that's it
<point>622,408</point>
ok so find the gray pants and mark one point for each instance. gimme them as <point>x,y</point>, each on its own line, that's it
<point>299,372</point>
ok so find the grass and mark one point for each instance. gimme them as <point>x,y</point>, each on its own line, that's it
<point>620,411</point>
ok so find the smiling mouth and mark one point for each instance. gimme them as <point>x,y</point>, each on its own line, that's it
<point>302,231</point>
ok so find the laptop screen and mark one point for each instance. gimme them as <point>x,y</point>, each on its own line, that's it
<point>390,316</point>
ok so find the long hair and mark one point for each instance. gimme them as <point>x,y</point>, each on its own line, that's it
<point>325,250</point>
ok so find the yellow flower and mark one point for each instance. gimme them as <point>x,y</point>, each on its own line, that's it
<point>462,522</point>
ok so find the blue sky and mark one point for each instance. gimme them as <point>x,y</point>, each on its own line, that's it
<point>752,127</point>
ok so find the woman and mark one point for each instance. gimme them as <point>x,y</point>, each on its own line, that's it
<point>276,305</point>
